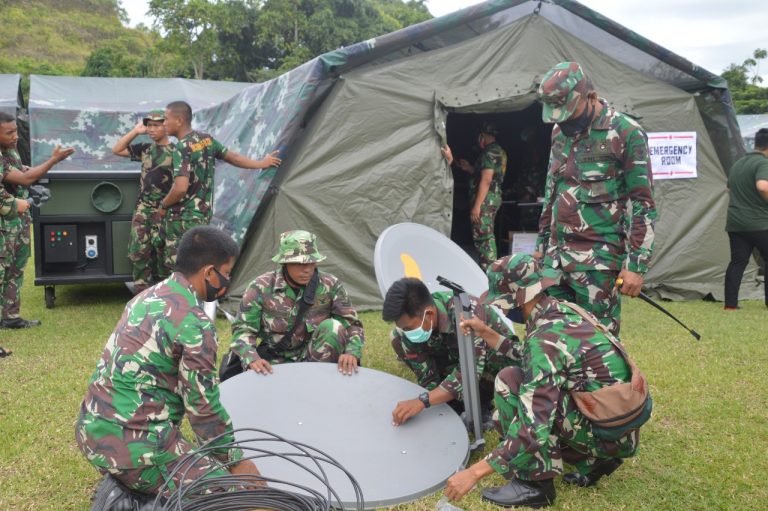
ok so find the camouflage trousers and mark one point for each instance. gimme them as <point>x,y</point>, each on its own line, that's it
<point>14,254</point>
<point>327,344</point>
<point>596,292</point>
<point>173,466</point>
<point>570,440</point>
<point>483,235</point>
<point>146,249</point>
<point>172,229</point>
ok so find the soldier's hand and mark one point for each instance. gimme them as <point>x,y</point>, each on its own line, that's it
<point>460,483</point>
<point>62,153</point>
<point>272,160</point>
<point>537,255</point>
<point>159,214</point>
<point>261,366</point>
<point>21,205</point>
<point>247,468</point>
<point>474,215</point>
<point>632,283</point>
<point>465,165</point>
<point>405,410</point>
<point>447,154</point>
<point>476,324</point>
<point>347,364</point>
<point>140,129</point>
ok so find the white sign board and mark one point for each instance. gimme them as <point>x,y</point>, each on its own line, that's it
<point>523,243</point>
<point>673,154</point>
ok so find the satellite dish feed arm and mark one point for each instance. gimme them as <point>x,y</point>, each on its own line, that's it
<point>468,368</point>
<point>457,289</point>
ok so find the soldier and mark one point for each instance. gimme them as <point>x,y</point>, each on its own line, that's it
<point>146,248</point>
<point>541,426</point>
<point>297,313</point>
<point>485,190</point>
<point>190,201</point>
<point>15,219</point>
<point>598,215</point>
<point>424,338</point>
<point>158,364</point>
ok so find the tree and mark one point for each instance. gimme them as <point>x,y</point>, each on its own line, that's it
<point>743,81</point>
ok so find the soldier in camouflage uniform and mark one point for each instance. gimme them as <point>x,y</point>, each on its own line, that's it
<point>425,339</point>
<point>598,216</point>
<point>15,222</point>
<point>484,190</point>
<point>538,418</point>
<point>146,247</point>
<point>330,330</point>
<point>158,365</point>
<point>190,200</point>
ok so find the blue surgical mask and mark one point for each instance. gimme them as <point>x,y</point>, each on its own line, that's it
<point>516,316</point>
<point>419,335</point>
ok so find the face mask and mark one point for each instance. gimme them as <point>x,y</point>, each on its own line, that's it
<point>516,316</point>
<point>577,125</point>
<point>419,335</point>
<point>211,292</point>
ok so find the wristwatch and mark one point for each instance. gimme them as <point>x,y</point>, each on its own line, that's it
<point>424,398</point>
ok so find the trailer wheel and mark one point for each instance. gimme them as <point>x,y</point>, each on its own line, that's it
<point>50,297</point>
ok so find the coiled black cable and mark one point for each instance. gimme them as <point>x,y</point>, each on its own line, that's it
<point>247,492</point>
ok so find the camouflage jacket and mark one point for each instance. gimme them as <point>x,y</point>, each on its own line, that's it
<point>269,307</point>
<point>156,171</point>
<point>159,363</point>
<point>10,160</point>
<point>494,158</point>
<point>598,203</point>
<point>562,352</point>
<point>436,362</point>
<point>195,158</point>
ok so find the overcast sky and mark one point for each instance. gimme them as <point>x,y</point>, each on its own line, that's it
<point>709,33</point>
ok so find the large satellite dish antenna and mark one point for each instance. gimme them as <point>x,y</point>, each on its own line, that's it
<point>415,250</point>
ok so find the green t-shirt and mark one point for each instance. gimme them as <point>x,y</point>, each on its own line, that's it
<point>747,209</point>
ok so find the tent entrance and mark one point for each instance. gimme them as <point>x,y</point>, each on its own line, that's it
<point>526,139</point>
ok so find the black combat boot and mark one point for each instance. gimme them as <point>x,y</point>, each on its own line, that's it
<point>599,469</point>
<point>534,494</point>
<point>19,323</point>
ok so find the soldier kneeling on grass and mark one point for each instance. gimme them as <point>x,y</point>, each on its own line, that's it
<point>577,397</point>
<point>158,365</point>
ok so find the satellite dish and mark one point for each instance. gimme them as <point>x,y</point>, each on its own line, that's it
<point>415,250</point>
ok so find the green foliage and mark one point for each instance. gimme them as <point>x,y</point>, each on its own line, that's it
<point>744,80</point>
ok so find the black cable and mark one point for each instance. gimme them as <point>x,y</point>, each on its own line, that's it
<point>247,492</point>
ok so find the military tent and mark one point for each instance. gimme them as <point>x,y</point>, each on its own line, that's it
<point>12,103</point>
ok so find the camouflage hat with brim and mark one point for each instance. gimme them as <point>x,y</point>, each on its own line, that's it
<point>489,128</point>
<point>158,114</point>
<point>298,247</point>
<point>560,91</point>
<point>516,280</point>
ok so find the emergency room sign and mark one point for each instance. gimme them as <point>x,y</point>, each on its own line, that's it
<point>673,154</point>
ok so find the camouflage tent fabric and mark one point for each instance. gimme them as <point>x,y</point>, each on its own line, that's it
<point>11,102</point>
<point>360,128</point>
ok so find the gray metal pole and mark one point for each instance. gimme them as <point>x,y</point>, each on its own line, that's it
<point>469,378</point>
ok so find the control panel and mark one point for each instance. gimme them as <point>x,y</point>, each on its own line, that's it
<point>60,242</point>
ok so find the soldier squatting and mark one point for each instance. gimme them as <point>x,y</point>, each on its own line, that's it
<point>159,363</point>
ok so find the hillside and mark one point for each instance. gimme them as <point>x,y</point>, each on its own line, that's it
<point>57,36</point>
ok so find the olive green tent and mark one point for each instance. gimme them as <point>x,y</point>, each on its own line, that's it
<point>367,153</point>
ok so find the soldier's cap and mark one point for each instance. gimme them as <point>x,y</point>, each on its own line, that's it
<point>298,247</point>
<point>516,280</point>
<point>489,128</point>
<point>560,91</point>
<point>158,114</point>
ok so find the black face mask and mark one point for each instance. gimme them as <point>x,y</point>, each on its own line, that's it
<point>516,316</point>
<point>211,291</point>
<point>577,125</point>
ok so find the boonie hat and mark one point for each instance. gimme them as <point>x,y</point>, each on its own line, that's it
<point>516,280</point>
<point>158,114</point>
<point>489,128</point>
<point>298,247</point>
<point>560,91</point>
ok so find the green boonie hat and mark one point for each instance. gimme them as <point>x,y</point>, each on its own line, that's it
<point>560,91</point>
<point>158,114</point>
<point>516,280</point>
<point>298,247</point>
<point>489,128</point>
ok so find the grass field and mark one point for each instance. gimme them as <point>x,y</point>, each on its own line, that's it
<point>706,447</point>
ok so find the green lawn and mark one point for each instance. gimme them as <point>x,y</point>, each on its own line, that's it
<point>706,447</point>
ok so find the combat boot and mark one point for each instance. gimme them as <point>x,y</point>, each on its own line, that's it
<point>19,323</point>
<point>599,469</point>
<point>534,494</point>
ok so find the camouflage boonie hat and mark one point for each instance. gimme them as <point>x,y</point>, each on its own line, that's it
<point>560,91</point>
<point>489,128</point>
<point>516,280</point>
<point>158,114</point>
<point>298,247</point>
